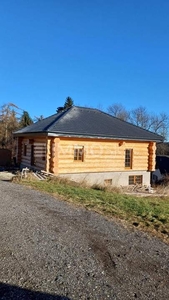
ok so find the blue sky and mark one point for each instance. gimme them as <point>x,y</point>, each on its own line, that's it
<point>98,52</point>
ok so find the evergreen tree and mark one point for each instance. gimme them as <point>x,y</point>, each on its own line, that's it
<point>68,103</point>
<point>60,109</point>
<point>25,119</point>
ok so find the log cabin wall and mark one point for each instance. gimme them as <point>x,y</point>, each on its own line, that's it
<point>56,155</point>
<point>100,155</point>
<point>152,156</point>
<point>52,155</point>
<point>19,150</point>
<point>33,153</point>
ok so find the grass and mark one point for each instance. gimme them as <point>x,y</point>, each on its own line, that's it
<point>147,213</point>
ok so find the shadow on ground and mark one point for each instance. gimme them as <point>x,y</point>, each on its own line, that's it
<point>10,292</point>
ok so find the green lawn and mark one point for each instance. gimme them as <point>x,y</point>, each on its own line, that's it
<point>148,213</point>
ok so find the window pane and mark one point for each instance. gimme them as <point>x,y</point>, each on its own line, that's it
<point>138,179</point>
<point>79,153</point>
<point>75,154</point>
<point>131,180</point>
<point>135,179</point>
<point>128,158</point>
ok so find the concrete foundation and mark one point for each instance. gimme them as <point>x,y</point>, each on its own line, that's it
<point>112,178</point>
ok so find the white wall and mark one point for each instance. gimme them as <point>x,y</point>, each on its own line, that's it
<point>118,178</point>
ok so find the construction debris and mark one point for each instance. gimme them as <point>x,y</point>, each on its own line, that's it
<point>24,173</point>
<point>40,175</point>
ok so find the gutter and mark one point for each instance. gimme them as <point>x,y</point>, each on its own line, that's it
<point>68,135</point>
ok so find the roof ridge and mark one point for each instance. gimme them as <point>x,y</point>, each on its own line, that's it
<point>62,114</point>
<point>85,107</point>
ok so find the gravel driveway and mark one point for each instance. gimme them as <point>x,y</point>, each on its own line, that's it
<point>50,249</point>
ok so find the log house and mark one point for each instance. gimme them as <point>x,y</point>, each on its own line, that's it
<point>85,144</point>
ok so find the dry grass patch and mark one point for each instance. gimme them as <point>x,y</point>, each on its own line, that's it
<point>147,213</point>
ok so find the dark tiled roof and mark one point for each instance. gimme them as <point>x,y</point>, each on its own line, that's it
<point>88,122</point>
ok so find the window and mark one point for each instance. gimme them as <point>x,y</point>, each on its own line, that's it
<point>25,149</point>
<point>79,153</point>
<point>108,182</point>
<point>135,179</point>
<point>128,158</point>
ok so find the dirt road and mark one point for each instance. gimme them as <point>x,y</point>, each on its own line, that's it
<point>50,249</point>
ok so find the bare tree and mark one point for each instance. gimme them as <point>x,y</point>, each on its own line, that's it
<point>8,124</point>
<point>36,119</point>
<point>11,119</point>
<point>118,110</point>
<point>162,149</point>
<point>141,117</point>
<point>159,124</point>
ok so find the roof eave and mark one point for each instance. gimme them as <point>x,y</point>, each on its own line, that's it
<point>30,133</point>
<point>73,135</point>
<point>90,136</point>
